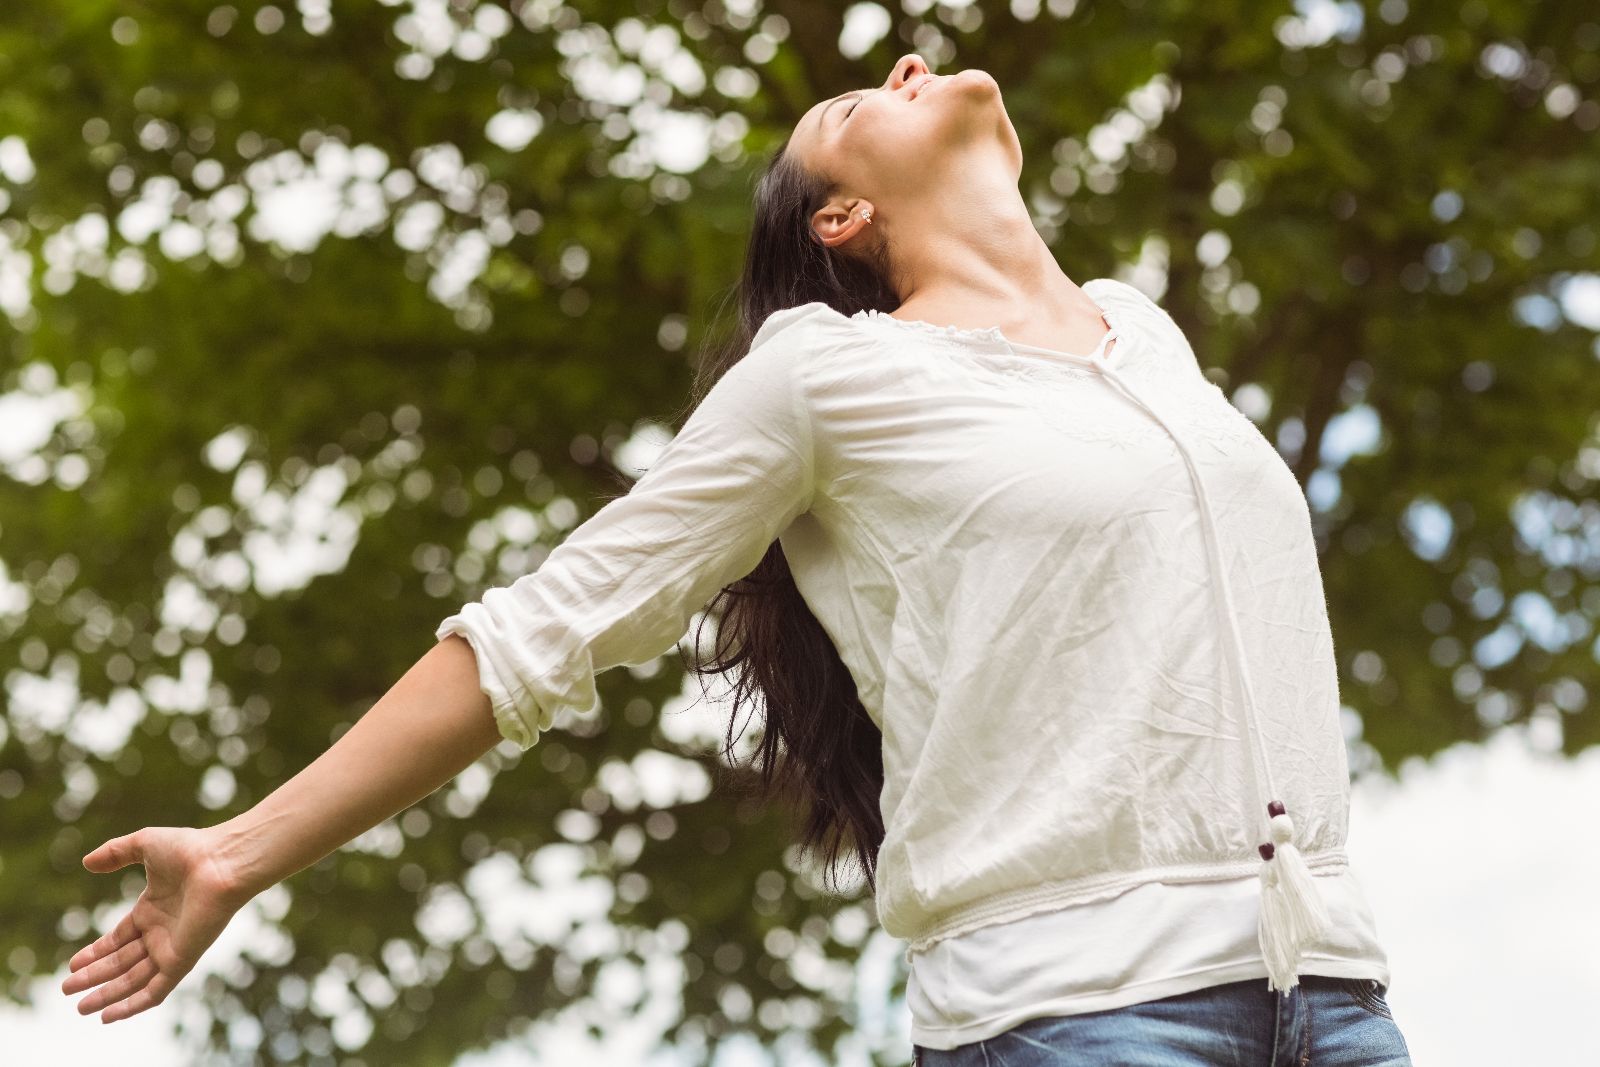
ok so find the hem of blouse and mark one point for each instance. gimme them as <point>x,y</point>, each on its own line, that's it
<point>1029,900</point>
<point>505,702</point>
<point>513,723</point>
<point>1165,986</point>
<point>1180,982</point>
<point>515,707</point>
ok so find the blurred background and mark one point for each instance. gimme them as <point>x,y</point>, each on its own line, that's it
<point>317,323</point>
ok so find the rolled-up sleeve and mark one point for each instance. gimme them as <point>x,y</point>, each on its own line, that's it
<point>623,586</point>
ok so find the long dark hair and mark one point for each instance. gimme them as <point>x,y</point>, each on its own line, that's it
<point>820,749</point>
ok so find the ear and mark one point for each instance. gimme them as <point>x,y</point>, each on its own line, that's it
<point>836,224</point>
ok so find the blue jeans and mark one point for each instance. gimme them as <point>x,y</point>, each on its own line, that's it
<point>1321,1022</point>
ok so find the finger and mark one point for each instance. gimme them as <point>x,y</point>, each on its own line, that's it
<point>115,854</point>
<point>148,997</point>
<point>114,991</point>
<point>105,968</point>
<point>119,935</point>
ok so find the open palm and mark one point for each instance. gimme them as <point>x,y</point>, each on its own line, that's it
<point>187,902</point>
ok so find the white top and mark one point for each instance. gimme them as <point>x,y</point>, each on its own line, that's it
<point>1079,595</point>
<point>1156,940</point>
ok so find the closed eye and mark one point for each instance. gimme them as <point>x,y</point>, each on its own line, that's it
<point>853,107</point>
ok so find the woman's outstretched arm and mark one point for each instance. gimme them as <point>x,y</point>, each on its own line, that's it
<point>431,725</point>
<point>620,589</point>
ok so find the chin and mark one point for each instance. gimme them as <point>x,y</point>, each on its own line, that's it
<point>976,76</point>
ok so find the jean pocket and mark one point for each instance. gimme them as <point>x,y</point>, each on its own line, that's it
<point>1367,992</point>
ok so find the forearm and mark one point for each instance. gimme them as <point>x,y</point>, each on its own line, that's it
<point>429,727</point>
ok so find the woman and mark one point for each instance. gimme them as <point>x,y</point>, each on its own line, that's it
<point>1034,613</point>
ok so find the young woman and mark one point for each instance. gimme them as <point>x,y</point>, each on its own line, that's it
<point>1034,615</point>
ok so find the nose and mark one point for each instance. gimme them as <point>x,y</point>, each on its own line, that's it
<point>906,67</point>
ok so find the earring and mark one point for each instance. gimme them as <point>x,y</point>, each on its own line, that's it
<point>866,214</point>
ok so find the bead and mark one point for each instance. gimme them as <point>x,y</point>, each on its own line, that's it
<point>1276,808</point>
<point>1267,850</point>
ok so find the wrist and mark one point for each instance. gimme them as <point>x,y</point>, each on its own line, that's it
<point>236,864</point>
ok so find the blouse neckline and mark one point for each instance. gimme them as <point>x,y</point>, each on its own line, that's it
<point>991,338</point>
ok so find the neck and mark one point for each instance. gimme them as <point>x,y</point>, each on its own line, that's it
<point>971,253</point>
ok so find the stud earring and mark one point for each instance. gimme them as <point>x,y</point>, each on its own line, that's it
<point>866,214</point>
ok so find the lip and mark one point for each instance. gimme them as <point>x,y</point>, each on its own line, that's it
<point>921,84</point>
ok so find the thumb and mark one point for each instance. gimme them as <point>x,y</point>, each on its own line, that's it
<point>115,854</point>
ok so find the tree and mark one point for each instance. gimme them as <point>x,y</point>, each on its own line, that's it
<point>1365,217</point>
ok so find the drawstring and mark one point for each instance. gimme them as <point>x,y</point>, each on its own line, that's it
<point>1293,914</point>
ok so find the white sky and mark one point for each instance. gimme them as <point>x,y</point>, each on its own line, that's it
<point>1475,863</point>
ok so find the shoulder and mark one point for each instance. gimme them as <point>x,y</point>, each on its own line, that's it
<point>1120,292</point>
<point>811,322</point>
<point>780,366</point>
<point>1135,306</point>
<point>1129,298</point>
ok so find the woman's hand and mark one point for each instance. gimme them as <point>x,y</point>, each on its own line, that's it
<point>429,727</point>
<point>188,899</point>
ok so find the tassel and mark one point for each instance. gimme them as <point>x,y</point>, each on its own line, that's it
<point>1292,911</point>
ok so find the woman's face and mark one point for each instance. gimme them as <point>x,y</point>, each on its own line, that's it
<point>894,143</point>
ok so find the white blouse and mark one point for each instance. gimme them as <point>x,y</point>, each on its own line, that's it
<point>1079,595</point>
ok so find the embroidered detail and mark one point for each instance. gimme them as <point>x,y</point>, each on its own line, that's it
<point>1219,424</point>
<point>1051,388</point>
<point>1033,370</point>
<point>984,334</point>
<point>1065,396</point>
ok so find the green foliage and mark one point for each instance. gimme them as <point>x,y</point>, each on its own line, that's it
<point>1374,224</point>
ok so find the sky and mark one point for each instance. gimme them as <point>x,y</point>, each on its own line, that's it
<point>1474,862</point>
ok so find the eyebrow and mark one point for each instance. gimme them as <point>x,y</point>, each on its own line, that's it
<point>824,112</point>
